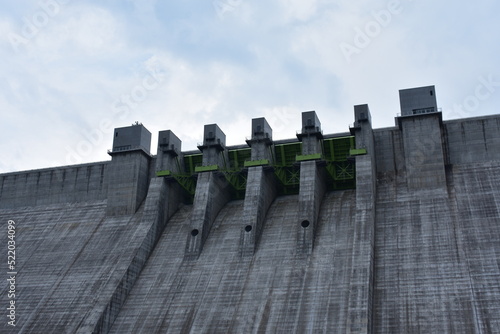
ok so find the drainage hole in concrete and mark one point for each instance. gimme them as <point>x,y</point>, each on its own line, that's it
<point>305,223</point>
<point>248,228</point>
<point>194,232</point>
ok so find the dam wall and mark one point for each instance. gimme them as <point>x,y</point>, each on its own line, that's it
<point>477,139</point>
<point>391,230</point>
<point>72,184</point>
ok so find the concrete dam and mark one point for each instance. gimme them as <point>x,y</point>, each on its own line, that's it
<point>391,230</point>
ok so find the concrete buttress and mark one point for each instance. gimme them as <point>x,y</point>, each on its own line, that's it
<point>260,193</point>
<point>423,149</point>
<point>312,190</point>
<point>359,306</point>
<point>312,182</point>
<point>212,190</point>
<point>128,175</point>
<point>212,193</point>
<point>162,202</point>
<point>261,187</point>
<point>128,172</point>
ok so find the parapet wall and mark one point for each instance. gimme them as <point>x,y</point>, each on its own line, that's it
<point>465,141</point>
<point>72,184</point>
<point>473,140</point>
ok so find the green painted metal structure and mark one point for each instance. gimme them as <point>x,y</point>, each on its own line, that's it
<point>340,165</point>
<point>209,168</point>
<point>337,154</point>
<point>163,173</point>
<point>285,166</point>
<point>253,163</point>
<point>357,151</point>
<point>308,157</point>
<point>236,174</point>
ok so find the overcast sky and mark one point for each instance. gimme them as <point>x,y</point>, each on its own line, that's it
<point>71,71</point>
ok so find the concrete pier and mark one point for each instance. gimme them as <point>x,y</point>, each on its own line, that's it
<point>212,193</point>
<point>423,148</point>
<point>260,194</point>
<point>261,188</point>
<point>312,190</point>
<point>212,190</point>
<point>160,205</point>
<point>421,129</point>
<point>312,181</point>
<point>169,155</point>
<point>360,300</point>
<point>128,172</point>
<point>261,141</point>
<point>213,148</point>
<point>163,199</point>
<point>311,134</point>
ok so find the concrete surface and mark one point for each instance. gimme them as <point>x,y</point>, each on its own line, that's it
<point>260,193</point>
<point>388,257</point>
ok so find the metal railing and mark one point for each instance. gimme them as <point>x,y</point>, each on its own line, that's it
<point>128,148</point>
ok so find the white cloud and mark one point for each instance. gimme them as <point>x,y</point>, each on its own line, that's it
<point>273,59</point>
<point>299,9</point>
<point>81,32</point>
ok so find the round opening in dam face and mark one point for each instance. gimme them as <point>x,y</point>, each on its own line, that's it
<point>305,223</point>
<point>194,232</point>
<point>248,228</point>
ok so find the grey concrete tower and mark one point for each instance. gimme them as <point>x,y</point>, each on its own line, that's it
<point>261,140</point>
<point>415,101</point>
<point>168,162</point>
<point>214,146</point>
<point>131,138</point>
<point>128,172</point>
<point>421,129</point>
<point>261,186</point>
<point>311,133</point>
<point>212,190</point>
<point>169,153</point>
<point>312,181</point>
<point>164,196</point>
<point>360,297</point>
